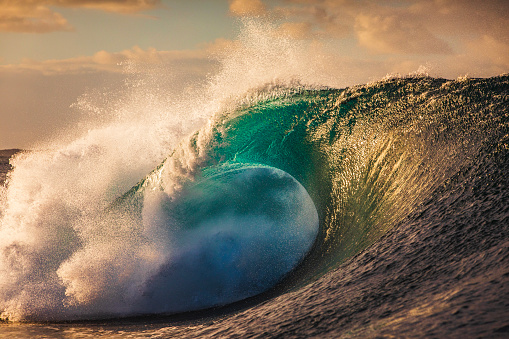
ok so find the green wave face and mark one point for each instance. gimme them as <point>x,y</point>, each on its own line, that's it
<point>367,156</point>
<point>269,196</point>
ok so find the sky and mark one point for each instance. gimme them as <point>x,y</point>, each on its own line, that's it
<point>54,54</point>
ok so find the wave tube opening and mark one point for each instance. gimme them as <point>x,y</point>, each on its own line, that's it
<point>233,234</point>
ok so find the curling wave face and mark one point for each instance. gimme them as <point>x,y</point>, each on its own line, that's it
<point>297,182</point>
<point>231,235</point>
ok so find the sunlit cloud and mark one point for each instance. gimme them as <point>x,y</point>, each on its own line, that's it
<point>414,26</point>
<point>391,34</point>
<point>28,16</point>
<point>31,19</point>
<point>40,99</point>
<point>296,30</point>
<point>120,6</point>
<point>247,8</point>
<point>490,49</point>
<point>104,61</point>
<point>451,36</point>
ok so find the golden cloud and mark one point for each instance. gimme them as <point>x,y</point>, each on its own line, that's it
<point>295,30</point>
<point>490,49</point>
<point>410,27</point>
<point>247,8</point>
<point>29,16</point>
<point>119,6</point>
<point>453,37</point>
<point>31,19</point>
<point>104,61</point>
<point>393,34</point>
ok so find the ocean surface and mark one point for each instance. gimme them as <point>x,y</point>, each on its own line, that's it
<point>379,210</point>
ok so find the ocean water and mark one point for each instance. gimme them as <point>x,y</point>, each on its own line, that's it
<point>267,202</point>
<point>376,210</point>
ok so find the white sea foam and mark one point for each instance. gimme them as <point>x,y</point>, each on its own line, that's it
<point>62,257</point>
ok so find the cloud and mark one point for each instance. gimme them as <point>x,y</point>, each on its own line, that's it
<point>247,8</point>
<point>296,30</point>
<point>454,37</point>
<point>44,100</point>
<point>483,56</point>
<point>28,16</point>
<point>411,26</point>
<point>393,34</point>
<point>31,19</point>
<point>119,6</point>
<point>490,49</point>
<point>118,62</point>
<point>380,27</point>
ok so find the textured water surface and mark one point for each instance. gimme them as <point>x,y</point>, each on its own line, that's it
<point>409,181</point>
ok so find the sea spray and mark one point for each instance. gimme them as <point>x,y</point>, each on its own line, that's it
<point>367,157</point>
<point>62,255</point>
<point>86,233</point>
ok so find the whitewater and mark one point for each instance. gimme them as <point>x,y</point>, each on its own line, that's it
<point>267,203</point>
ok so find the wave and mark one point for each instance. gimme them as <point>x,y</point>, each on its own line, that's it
<point>291,180</point>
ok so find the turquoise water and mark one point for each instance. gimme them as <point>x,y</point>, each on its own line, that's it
<point>383,204</point>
